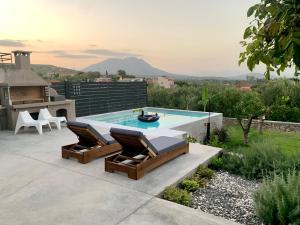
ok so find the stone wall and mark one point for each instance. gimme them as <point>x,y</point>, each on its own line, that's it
<point>3,118</point>
<point>271,125</point>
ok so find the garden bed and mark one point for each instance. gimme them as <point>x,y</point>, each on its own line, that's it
<point>242,194</point>
<point>228,196</point>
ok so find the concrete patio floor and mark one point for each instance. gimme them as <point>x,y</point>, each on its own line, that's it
<point>37,186</point>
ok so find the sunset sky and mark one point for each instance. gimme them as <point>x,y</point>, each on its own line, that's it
<point>196,37</point>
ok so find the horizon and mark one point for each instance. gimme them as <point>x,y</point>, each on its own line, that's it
<point>189,39</point>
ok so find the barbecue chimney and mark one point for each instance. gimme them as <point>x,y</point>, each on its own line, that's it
<point>22,59</point>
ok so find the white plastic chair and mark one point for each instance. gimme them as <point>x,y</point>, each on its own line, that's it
<point>25,120</point>
<point>45,115</point>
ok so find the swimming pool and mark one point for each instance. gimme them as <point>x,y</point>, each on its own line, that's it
<point>168,118</point>
<point>172,122</point>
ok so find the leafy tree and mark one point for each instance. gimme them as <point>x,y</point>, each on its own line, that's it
<point>92,75</point>
<point>159,97</point>
<point>273,37</point>
<point>188,95</point>
<point>249,107</point>
<point>181,83</point>
<point>282,99</point>
<point>122,72</point>
<point>225,100</point>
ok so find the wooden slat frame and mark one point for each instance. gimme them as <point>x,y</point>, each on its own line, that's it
<point>149,163</point>
<point>90,153</point>
<point>100,148</point>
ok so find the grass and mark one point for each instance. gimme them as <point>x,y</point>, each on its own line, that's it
<point>287,141</point>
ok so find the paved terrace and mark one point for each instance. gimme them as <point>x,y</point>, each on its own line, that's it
<point>38,187</point>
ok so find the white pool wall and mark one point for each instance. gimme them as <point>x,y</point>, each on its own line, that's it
<point>198,127</point>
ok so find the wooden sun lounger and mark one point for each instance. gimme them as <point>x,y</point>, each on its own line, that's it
<point>140,155</point>
<point>91,143</point>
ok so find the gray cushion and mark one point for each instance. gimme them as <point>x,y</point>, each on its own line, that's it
<point>132,133</point>
<point>164,144</point>
<point>106,138</point>
<point>130,141</point>
<point>158,145</point>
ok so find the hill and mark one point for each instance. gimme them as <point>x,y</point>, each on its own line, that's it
<point>45,70</point>
<point>132,66</point>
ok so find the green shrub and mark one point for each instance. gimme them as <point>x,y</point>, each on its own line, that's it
<point>214,141</point>
<point>189,185</point>
<point>284,113</point>
<point>177,195</point>
<point>202,176</point>
<point>192,139</point>
<point>216,163</point>
<point>278,200</point>
<point>259,159</point>
<point>204,172</point>
<point>202,182</point>
<point>221,133</point>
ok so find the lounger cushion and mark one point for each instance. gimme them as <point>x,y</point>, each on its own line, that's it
<point>158,145</point>
<point>132,133</point>
<point>106,138</point>
<point>131,140</point>
<point>164,144</point>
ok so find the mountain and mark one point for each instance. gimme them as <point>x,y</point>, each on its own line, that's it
<point>46,70</point>
<point>135,66</point>
<point>132,66</point>
<point>138,67</point>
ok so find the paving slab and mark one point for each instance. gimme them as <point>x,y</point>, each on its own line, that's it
<point>47,148</point>
<point>161,212</point>
<point>65,197</point>
<point>37,186</point>
<point>16,172</point>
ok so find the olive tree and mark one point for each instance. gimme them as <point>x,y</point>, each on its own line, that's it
<point>249,107</point>
<point>273,37</point>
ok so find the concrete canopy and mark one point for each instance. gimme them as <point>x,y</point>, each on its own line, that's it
<point>20,77</point>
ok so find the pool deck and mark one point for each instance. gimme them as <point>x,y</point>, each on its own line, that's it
<point>38,187</point>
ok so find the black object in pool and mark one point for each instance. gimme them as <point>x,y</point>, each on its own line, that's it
<point>148,118</point>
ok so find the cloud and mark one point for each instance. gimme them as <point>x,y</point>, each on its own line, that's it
<point>88,53</point>
<point>11,43</point>
<point>65,54</point>
<point>106,52</point>
<point>75,56</point>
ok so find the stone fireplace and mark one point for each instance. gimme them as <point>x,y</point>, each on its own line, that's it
<point>22,89</point>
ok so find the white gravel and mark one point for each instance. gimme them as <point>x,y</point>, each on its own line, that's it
<point>228,196</point>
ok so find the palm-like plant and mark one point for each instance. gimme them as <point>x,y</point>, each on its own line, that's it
<point>205,98</point>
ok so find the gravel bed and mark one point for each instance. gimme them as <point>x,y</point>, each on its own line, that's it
<point>228,196</point>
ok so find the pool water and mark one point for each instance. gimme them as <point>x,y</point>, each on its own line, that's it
<point>168,118</point>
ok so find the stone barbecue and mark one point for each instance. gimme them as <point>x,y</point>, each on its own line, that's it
<point>22,89</point>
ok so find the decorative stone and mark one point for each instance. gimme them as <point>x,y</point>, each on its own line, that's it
<point>228,196</point>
